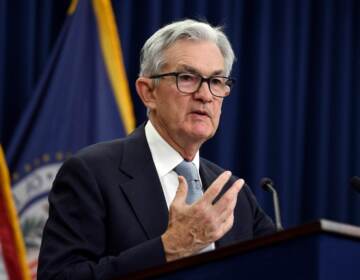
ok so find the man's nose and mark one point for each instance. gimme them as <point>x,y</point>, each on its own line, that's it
<point>204,92</point>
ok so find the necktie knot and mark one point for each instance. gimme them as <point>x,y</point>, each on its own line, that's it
<point>189,171</point>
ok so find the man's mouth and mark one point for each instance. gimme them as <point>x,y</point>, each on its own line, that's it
<point>201,113</point>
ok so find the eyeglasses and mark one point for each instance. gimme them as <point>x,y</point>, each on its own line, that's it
<point>189,83</point>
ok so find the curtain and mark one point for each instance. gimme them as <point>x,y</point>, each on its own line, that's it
<point>293,114</point>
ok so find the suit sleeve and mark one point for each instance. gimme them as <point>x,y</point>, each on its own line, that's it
<point>74,238</point>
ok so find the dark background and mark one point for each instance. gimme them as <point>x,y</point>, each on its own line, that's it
<point>294,112</point>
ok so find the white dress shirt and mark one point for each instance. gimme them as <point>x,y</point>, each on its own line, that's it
<point>166,158</point>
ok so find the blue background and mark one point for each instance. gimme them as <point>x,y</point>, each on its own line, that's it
<point>294,112</point>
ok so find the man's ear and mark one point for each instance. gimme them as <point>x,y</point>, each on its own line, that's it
<point>145,89</point>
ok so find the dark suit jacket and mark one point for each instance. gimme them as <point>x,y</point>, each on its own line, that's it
<point>108,211</point>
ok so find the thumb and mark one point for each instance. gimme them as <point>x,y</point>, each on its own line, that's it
<point>181,192</point>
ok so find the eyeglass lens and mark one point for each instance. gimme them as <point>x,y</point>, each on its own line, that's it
<point>190,83</point>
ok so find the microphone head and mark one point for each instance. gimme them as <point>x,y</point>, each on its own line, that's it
<point>355,183</point>
<point>265,182</point>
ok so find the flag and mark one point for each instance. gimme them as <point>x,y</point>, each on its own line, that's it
<point>12,248</point>
<point>82,98</point>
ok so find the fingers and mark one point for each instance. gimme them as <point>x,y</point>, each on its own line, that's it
<point>216,187</point>
<point>222,212</point>
<point>229,198</point>
<point>181,192</point>
<point>224,208</point>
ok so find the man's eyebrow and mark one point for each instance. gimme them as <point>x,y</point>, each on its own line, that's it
<point>193,70</point>
<point>188,68</point>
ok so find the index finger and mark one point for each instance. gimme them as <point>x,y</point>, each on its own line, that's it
<point>230,197</point>
<point>216,187</point>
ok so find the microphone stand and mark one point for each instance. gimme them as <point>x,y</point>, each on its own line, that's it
<point>268,185</point>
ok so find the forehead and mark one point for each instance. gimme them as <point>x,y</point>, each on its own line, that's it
<point>203,56</point>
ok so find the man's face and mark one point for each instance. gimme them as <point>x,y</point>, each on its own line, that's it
<point>190,118</point>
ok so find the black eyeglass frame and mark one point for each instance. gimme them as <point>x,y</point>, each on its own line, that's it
<point>207,80</point>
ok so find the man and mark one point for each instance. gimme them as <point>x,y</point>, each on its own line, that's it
<point>120,206</point>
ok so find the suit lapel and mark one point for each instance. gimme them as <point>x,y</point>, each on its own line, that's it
<point>144,190</point>
<point>206,174</point>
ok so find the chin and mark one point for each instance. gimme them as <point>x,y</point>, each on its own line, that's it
<point>200,131</point>
<point>202,134</point>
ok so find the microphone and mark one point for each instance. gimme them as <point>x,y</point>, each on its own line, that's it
<point>268,185</point>
<point>355,183</point>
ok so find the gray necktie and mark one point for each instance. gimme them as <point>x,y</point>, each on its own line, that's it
<point>189,171</point>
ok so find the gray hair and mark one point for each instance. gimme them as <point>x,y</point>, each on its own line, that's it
<point>152,54</point>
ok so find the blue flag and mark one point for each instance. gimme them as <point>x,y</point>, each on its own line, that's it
<point>82,98</point>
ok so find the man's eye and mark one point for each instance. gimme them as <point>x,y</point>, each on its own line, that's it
<point>187,78</point>
<point>216,81</point>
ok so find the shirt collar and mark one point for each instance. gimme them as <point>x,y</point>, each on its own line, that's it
<point>165,157</point>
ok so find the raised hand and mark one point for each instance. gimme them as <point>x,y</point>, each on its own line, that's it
<point>193,227</point>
